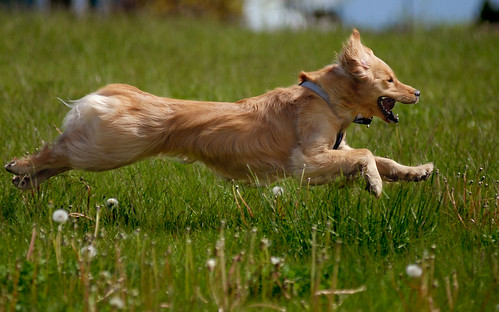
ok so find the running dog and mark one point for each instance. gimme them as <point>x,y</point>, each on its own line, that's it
<point>296,131</point>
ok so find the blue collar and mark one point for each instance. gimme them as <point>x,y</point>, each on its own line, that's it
<point>320,92</point>
<point>317,89</point>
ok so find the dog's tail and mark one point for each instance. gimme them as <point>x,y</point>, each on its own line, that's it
<point>88,110</point>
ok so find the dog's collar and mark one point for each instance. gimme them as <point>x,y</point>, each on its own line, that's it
<point>320,92</point>
<point>317,89</point>
<point>363,120</point>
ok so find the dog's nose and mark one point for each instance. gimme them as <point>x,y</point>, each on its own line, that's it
<point>417,93</point>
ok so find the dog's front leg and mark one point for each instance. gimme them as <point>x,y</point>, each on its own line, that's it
<point>326,164</point>
<point>390,170</point>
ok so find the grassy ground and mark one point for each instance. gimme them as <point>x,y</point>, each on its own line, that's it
<point>182,239</point>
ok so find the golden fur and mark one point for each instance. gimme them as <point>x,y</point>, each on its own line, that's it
<point>284,132</point>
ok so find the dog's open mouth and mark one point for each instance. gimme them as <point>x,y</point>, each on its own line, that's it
<point>386,104</point>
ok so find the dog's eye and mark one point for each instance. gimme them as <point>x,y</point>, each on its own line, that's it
<point>390,80</point>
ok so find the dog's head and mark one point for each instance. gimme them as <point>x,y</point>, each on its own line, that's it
<point>374,83</point>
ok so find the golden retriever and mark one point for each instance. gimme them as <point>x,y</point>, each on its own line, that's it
<point>296,131</point>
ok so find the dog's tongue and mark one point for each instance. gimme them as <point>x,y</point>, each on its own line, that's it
<point>388,103</point>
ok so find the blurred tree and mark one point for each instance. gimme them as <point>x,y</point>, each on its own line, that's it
<point>220,9</point>
<point>490,12</point>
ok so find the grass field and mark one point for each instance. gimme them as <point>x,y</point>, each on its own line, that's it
<point>183,239</point>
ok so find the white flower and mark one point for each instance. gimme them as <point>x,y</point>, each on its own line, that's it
<point>210,264</point>
<point>117,302</point>
<point>106,275</point>
<point>60,216</point>
<point>264,243</point>
<point>275,260</point>
<point>414,270</point>
<point>278,191</point>
<point>88,252</point>
<point>112,202</point>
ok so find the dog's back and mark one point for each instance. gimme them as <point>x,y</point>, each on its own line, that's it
<point>119,124</point>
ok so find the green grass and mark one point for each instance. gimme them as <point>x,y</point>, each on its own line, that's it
<point>173,219</point>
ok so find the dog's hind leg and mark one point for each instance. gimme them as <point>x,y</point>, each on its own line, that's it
<point>31,170</point>
<point>28,181</point>
<point>49,157</point>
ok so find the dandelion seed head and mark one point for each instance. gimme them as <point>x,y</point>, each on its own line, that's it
<point>414,270</point>
<point>112,203</point>
<point>60,216</point>
<point>264,243</point>
<point>117,303</point>
<point>219,245</point>
<point>211,263</point>
<point>88,252</point>
<point>278,191</point>
<point>106,275</point>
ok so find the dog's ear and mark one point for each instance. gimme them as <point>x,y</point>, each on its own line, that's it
<point>355,58</point>
<point>304,76</point>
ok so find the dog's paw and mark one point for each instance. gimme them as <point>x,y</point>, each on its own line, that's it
<point>19,167</point>
<point>12,167</point>
<point>23,182</point>
<point>423,172</point>
<point>374,185</point>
